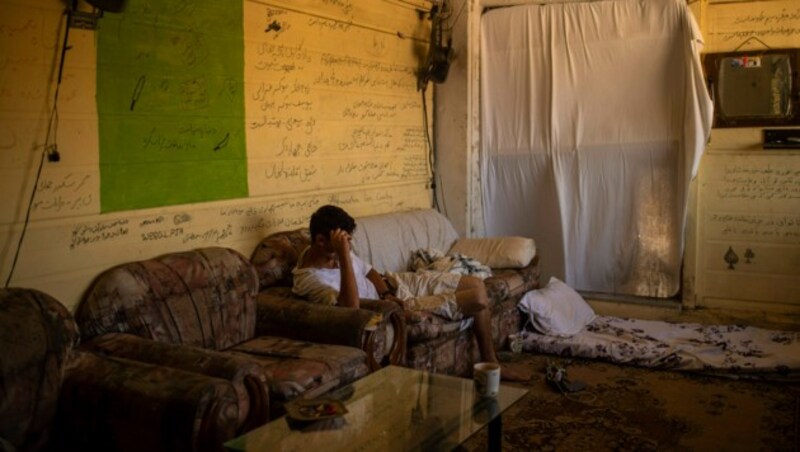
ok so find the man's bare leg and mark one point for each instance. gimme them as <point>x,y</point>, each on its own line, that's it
<point>474,302</point>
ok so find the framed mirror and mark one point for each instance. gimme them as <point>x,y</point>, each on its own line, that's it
<point>754,88</point>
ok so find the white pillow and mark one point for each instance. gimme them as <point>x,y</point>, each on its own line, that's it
<point>497,252</point>
<point>556,309</point>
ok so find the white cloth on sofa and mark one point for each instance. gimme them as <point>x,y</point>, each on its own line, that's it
<point>434,260</point>
<point>388,241</point>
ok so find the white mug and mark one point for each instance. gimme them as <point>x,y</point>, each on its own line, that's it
<point>487,379</point>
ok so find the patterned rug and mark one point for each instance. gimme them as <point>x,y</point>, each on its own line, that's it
<point>626,408</point>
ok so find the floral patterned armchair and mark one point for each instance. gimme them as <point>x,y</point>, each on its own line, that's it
<point>55,397</point>
<point>275,257</point>
<point>196,312</point>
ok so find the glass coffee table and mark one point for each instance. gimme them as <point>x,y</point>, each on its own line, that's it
<point>396,409</point>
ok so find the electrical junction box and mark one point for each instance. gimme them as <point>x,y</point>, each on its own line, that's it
<point>83,20</point>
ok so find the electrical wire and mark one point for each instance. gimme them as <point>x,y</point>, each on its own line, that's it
<point>27,214</point>
<point>452,24</point>
<point>431,148</point>
<point>52,131</point>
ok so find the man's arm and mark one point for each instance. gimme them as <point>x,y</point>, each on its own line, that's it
<point>377,280</point>
<point>348,290</point>
<point>383,290</point>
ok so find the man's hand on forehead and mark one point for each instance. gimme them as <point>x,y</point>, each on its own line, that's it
<point>340,240</point>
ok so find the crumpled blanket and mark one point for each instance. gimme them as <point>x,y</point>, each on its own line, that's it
<point>430,259</point>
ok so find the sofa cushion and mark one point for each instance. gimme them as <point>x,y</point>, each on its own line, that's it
<point>497,252</point>
<point>297,368</point>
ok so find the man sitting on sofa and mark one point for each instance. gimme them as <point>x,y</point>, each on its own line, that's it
<point>328,272</point>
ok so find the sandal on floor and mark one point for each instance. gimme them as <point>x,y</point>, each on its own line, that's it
<point>556,376</point>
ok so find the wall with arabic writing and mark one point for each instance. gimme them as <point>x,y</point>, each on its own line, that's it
<point>750,212</point>
<point>748,199</point>
<point>168,141</point>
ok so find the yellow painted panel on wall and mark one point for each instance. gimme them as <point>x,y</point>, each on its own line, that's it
<point>750,227</point>
<point>329,103</point>
<point>333,93</point>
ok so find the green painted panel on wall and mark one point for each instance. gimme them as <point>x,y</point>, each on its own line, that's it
<point>170,104</point>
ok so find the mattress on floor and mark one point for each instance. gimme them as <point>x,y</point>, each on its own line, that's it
<point>727,350</point>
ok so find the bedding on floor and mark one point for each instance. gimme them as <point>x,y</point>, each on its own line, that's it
<point>727,350</point>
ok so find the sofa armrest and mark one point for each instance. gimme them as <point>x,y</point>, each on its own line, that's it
<point>248,379</point>
<point>395,320</point>
<point>117,404</point>
<point>514,282</point>
<point>300,320</point>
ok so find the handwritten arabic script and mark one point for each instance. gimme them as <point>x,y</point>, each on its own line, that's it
<point>760,183</point>
<point>770,21</point>
<point>755,198</point>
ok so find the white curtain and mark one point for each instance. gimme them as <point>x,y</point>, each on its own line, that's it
<point>594,118</point>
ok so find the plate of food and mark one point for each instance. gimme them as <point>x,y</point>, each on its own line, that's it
<point>314,409</point>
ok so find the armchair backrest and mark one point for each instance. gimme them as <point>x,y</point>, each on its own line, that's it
<point>205,298</point>
<point>276,255</point>
<point>37,336</point>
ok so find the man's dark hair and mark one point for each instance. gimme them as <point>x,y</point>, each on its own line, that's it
<point>327,218</point>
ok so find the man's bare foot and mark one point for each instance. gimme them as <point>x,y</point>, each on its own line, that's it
<point>509,372</point>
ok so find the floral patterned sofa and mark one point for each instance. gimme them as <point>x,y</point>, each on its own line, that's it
<point>387,242</point>
<point>196,312</point>
<point>56,397</point>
